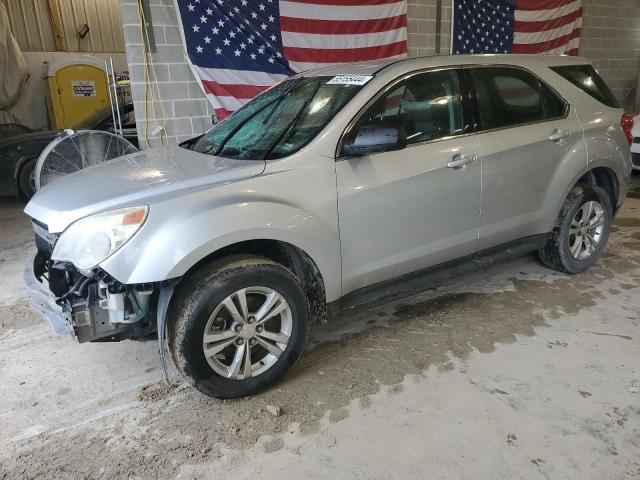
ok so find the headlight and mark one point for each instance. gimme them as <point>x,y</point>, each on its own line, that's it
<point>92,239</point>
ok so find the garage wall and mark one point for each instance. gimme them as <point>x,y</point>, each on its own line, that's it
<point>421,27</point>
<point>611,40</point>
<point>183,110</point>
<point>612,43</point>
<point>32,26</point>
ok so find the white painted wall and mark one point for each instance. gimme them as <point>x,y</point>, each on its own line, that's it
<point>31,108</point>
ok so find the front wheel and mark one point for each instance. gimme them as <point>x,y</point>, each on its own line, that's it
<point>581,231</point>
<point>239,326</point>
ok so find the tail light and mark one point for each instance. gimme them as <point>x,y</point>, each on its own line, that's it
<point>627,126</point>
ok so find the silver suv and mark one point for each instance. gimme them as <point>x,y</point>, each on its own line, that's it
<point>327,186</point>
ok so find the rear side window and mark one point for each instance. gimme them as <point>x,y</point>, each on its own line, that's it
<point>587,79</point>
<point>510,96</point>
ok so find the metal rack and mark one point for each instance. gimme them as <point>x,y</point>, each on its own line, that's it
<point>119,88</point>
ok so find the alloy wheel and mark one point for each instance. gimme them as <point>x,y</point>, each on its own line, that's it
<point>247,333</point>
<point>587,228</point>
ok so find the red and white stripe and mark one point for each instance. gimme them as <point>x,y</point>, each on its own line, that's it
<point>318,33</point>
<point>547,26</point>
<point>228,90</point>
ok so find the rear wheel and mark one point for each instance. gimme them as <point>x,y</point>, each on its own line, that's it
<point>581,232</point>
<point>239,326</point>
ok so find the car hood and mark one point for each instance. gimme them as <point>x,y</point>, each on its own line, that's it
<point>141,178</point>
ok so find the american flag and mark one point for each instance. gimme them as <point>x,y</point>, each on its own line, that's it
<point>516,26</point>
<point>238,48</point>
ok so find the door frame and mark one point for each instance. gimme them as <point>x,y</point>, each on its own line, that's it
<point>470,108</point>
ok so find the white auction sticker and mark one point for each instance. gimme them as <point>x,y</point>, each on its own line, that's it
<point>349,79</point>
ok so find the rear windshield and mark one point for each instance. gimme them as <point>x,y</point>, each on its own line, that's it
<point>278,122</point>
<point>587,79</point>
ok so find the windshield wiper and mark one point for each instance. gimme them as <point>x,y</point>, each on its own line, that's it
<point>235,130</point>
<point>293,121</point>
<point>294,83</point>
<point>275,104</point>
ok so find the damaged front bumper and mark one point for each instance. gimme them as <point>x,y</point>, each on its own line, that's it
<point>91,306</point>
<point>94,306</point>
<point>44,302</point>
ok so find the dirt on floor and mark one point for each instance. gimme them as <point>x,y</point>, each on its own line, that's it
<point>103,410</point>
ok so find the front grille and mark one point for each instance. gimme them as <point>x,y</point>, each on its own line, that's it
<point>636,139</point>
<point>635,159</point>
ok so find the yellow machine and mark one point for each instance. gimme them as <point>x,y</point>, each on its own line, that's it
<point>76,89</point>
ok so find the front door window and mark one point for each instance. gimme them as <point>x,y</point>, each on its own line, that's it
<point>427,106</point>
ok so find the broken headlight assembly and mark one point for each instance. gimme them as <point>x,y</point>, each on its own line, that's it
<point>93,239</point>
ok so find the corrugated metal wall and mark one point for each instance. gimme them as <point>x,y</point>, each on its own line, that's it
<point>31,25</point>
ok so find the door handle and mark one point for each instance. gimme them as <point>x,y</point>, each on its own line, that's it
<point>461,160</point>
<point>558,135</point>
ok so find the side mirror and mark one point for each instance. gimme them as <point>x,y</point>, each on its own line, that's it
<point>374,139</point>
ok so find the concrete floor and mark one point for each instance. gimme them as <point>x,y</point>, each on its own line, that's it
<point>512,372</point>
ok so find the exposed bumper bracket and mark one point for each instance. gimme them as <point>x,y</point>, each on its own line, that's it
<point>43,302</point>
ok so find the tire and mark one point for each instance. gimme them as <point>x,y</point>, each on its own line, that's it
<point>557,254</point>
<point>26,179</point>
<point>204,293</point>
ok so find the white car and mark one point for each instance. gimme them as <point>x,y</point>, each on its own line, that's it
<point>635,145</point>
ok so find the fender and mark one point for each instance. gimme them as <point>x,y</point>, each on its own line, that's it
<point>610,149</point>
<point>602,150</point>
<point>170,243</point>
<point>281,204</point>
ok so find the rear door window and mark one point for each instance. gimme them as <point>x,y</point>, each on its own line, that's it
<point>586,78</point>
<point>508,97</point>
